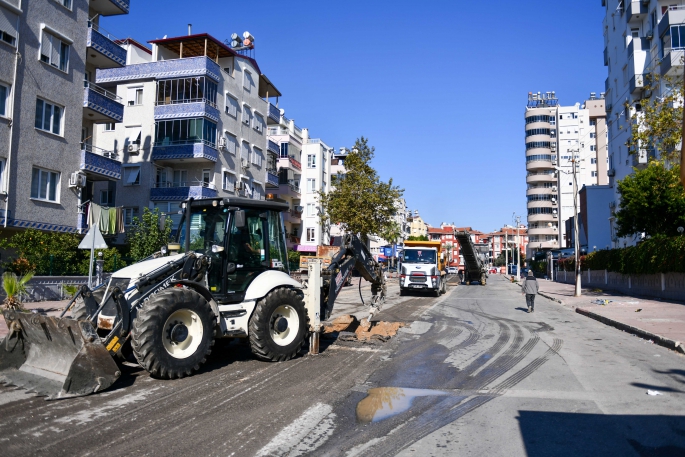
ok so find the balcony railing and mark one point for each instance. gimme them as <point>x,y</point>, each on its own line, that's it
<point>172,68</point>
<point>272,178</point>
<point>274,113</point>
<point>99,151</point>
<point>173,184</point>
<point>101,104</point>
<point>182,142</point>
<point>102,91</point>
<point>185,101</point>
<point>272,147</point>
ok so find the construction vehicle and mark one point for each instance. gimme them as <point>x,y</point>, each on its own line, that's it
<point>225,276</point>
<point>423,267</point>
<point>474,260</point>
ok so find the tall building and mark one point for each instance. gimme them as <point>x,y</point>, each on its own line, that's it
<point>316,177</point>
<point>48,113</point>
<point>194,125</point>
<point>643,50</point>
<point>417,226</point>
<point>556,138</point>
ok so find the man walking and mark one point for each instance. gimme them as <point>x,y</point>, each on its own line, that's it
<point>529,288</point>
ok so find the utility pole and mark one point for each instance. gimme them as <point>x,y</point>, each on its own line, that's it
<point>576,241</point>
<point>517,220</point>
<point>506,251</point>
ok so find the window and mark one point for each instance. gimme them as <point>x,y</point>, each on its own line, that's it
<point>247,81</point>
<point>131,176</point>
<point>186,90</point>
<point>185,131</point>
<point>258,123</point>
<point>206,177</point>
<point>593,121</point>
<point>65,3</point>
<point>107,197</point>
<point>284,150</point>
<point>311,185</point>
<point>109,127</point>
<point>48,117</point>
<point>592,148</point>
<point>135,96</point>
<point>161,177</point>
<point>594,174</point>
<point>592,134</point>
<point>54,51</point>
<point>2,175</point>
<point>4,98</point>
<point>231,143</point>
<point>180,178</point>
<point>228,182</point>
<point>311,209</point>
<point>231,106</point>
<point>311,160</point>
<point>593,160</point>
<point>8,26</point>
<point>311,234</point>
<point>129,214</point>
<point>247,115</point>
<point>245,152</point>
<point>45,185</point>
<point>257,156</point>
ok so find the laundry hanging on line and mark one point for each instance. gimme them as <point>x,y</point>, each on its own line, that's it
<point>109,219</point>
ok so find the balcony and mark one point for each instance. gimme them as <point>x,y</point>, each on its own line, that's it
<point>271,179</point>
<point>181,191</point>
<point>540,177</point>
<point>289,162</point>
<point>674,16</point>
<point>99,164</point>
<point>174,68</point>
<point>638,83</point>
<point>274,115</point>
<point>641,158</point>
<point>292,216</point>
<point>672,63</point>
<point>638,44</point>
<point>110,7</point>
<point>537,164</point>
<point>199,108</point>
<point>635,11</point>
<point>102,51</point>
<point>190,152</point>
<point>290,189</point>
<point>100,105</point>
<point>606,86</point>
<point>273,147</point>
<point>606,57</point>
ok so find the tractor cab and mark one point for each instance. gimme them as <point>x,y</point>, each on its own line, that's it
<point>241,237</point>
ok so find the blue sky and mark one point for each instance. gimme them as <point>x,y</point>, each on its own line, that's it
<point>438,87</point>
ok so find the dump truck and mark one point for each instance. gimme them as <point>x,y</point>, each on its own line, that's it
<point>422,267</point>
<point>474,260</point>
<point>225,276</point>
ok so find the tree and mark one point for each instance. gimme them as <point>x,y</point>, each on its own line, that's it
<point>148,234</point>
<point>449,249</point>
<point>14,287</point>
<point>418,238</point>
<point>361,203</point>
<point>652,201</point>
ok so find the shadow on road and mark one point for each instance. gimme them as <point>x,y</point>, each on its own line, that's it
<point>573,434</point>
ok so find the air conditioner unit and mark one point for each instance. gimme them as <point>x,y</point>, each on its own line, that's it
<point>240,185</point>
<point>244,163</point>
<point>299,209</point>
<point>222,143</point>
<point>77,180</point>
<point>611,172</point>
<point>650,34</point>
<point>554,188</point>
<point>133,148</point>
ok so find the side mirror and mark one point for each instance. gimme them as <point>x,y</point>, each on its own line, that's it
<point>240,218</point>
<point>230,268</point>
<point>217,249</point>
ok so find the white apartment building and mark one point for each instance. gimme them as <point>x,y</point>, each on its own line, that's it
<point>194,125</point>
<point>642,39</point>
<point>316,177</point>
<point>556,136</point>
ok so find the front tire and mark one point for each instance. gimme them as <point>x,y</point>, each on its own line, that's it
<point>173,333</point>
<point>278,326</point>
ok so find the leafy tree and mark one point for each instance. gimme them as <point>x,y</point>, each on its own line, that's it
<point>418,238</point>
<point>361,203</point>
<point>147,234</point>
<point>513,253</point>
<point>652,201</point>
<point>14,287</point>
<point>42,252</point>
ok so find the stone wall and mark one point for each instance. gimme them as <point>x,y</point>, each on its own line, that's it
<point>669,286</point>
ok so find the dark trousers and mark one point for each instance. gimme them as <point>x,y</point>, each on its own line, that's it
<point>530,300</point>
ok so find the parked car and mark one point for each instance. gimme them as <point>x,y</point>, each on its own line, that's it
<point>452,270</point>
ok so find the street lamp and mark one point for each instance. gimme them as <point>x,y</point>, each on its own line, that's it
<point>576,292</point>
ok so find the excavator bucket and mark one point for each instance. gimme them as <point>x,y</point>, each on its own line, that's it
<point>54,357</point>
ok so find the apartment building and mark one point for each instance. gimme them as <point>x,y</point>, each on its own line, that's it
<point>557,137</point>
<point>284,143</point>
<point>643,53</point>
<point>316,177</point>
<point>417,226</point>
<point>194,125</point>
<point>48,113</point>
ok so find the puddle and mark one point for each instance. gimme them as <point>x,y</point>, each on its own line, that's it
<point>383,402</point>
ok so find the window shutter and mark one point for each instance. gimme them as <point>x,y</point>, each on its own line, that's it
<point>54,60</point>
<point>8,22</point>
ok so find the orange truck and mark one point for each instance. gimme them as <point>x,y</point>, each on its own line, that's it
<point>423,268</point>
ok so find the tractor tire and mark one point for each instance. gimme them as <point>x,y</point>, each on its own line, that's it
<point>173,333</point>
<point>438,291</point>
<point>279,326</point>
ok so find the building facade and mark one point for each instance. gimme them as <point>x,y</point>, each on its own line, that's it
<point>49,108</point>
<point>194,125</point>
<point>316,177</point>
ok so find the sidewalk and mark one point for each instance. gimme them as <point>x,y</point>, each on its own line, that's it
<point>660,321</point>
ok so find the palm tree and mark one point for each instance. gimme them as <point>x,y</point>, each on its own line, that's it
<point>14,287</point>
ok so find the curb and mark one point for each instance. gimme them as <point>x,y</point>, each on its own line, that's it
<point>550,298</point>
<point>658,339</point>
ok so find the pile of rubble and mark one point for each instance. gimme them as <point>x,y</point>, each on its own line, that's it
<point>349,328</point>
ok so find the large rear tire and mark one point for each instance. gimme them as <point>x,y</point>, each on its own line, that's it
<point>278,326</point>
<point>173,333</point>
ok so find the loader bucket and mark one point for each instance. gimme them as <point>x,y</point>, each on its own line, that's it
<point>54,357</point>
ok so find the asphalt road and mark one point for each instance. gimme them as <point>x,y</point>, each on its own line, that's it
<point>471,374</point>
